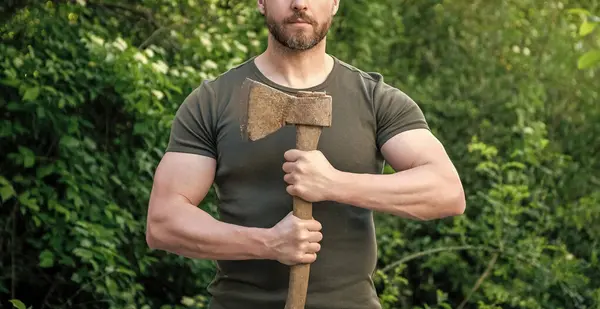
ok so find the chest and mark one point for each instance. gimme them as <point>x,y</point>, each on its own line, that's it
<point>349,143</point>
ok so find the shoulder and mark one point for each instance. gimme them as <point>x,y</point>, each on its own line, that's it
<point>372,82</point>
<point>347,70</point>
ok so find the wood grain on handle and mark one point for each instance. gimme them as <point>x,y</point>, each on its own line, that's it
<point>307,138</point>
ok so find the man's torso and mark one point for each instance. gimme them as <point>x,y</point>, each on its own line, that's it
<point>252,192</point>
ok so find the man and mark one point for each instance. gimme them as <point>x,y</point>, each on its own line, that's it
<point>256,237</point>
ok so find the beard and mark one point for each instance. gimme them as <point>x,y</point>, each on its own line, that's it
<point>297,40</point>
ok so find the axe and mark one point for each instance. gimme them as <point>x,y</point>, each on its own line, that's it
<point>264,111</point>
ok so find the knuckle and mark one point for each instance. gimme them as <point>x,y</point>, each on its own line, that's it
<point>298,225</point>
<point>303,235</point>
<point>297,236</point>
<point>301,167</point>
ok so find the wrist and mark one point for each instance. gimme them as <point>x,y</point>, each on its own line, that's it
<point>264,249</point>
<point>338,187</point>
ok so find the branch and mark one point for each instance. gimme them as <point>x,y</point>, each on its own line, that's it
<point>50,291</point>
<point>87,284</point>
<point>483,276</point>
<point>184,22</point>
<point>144,13</point>
<point>13,268</point>
<point>151,38</point>
<point>435,250</point>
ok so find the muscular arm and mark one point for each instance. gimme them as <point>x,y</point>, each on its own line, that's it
<point>177,225</point>
<point>426,185</point>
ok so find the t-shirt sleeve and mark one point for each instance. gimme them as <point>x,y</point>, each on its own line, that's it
<point>193,128</point>
<point>396,112</point>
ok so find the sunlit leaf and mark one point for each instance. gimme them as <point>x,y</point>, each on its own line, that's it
<point>589,59</point>
<point>587,28</point>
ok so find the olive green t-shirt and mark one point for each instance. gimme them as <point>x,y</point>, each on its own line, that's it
<point>251,190</point>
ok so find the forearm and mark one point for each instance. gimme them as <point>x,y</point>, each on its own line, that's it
<point>189,231</point>
<point>421,193</point>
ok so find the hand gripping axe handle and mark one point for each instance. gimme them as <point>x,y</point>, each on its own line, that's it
<point>266,110</point>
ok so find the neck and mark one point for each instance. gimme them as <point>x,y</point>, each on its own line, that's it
<point>292,68</point>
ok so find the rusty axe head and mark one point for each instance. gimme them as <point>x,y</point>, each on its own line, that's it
<point>266,109</point>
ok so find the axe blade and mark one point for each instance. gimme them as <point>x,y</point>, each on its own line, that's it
<point>264,110</point>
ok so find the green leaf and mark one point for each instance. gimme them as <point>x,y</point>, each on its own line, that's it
<point>46,259</point>
<point>31,94</point>
<point>116,180</point>
<point>26,200</point>
<point>83,253</point>
<point>69,141</point>
<point>11,82</point>
<point>17,304</point>
<point>187,301</point>
<point>589,59</point>
<point>7,192</point>
<point>140,128</point>
<point>44,171</point>
<point>111,285</point>
<point>579,11</point>
<point>28,156</point>
<point>125,271</point>
<point>586,28</point>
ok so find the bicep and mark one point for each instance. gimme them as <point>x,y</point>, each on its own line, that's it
<point>183,177</point>
<point>414,148</point>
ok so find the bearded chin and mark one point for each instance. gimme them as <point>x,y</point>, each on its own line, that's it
<point>296,41</point>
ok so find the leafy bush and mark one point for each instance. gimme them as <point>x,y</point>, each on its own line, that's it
<point>89,90</point>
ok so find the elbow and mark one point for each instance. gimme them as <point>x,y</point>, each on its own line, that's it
<point>458,206</point>
<point>151,238</point>
<point>154,232</point>
<point>449,201</point>
<point>455,202</point>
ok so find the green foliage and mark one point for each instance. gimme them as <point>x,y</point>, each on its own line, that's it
<point>89,89</point>
<point>589,25</point>
<point>18,304</point>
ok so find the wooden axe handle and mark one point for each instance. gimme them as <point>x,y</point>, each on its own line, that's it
<point>307,138</point>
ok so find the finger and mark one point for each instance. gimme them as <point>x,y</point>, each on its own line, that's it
<point>289,178</point>
<point>308,258</point>
<point>294,190</point>
<point>313,247</point>
<point>313,225</point>
<point>290,190</point>
<point>293,154</point>
<point>314,237</point>
<point>288,167</point>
